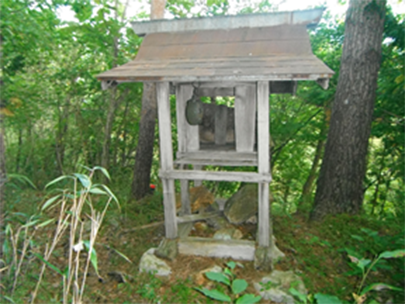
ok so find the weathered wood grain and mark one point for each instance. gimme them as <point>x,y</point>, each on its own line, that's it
<point>263,159</point>
<point>197,217</point>
<point>248,177</point>
<point>235,249</point>
<point>166,158</point>
<point>245,118</point>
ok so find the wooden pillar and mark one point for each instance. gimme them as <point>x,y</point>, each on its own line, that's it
<point>187,139</point>
<point>245,118</point>
<point>197,183</point>
<point>166,158</point>
<point>263,161</point>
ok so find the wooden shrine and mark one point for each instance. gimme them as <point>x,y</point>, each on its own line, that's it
<point>248,57</point>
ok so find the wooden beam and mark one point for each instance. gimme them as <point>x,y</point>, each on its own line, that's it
<point>212,92</point>
<point>263,161</point>
<point>219,155</point>
<point>166,158</point>
<point>247,177</point>
<point>235,249</point>
<point>215,162</point>
<point>197,217</point>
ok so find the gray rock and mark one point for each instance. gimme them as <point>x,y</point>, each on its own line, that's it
<point>152,264</point>
<point>217,222</point>
<point>228,234</point>
<point>275,286</point>
<point>242,205</point>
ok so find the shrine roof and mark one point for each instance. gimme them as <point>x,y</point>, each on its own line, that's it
<point>271,46</point>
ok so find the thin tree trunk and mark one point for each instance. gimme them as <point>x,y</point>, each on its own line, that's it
<point>124,135</point>
<point>105,157</point>
<point>309,183</point>
<point>144,150</point>
<point>60,136</point>
<point>18,156</point>
<point>340,183</point>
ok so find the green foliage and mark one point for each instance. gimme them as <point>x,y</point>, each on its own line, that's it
<point>366,265</point>
<point>236,286</point>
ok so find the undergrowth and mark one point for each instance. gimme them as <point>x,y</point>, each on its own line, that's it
<point>324,254</point>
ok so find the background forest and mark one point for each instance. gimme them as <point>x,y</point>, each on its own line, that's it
<point>56,120</point>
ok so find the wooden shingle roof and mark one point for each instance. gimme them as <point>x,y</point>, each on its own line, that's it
<point>277,52</point>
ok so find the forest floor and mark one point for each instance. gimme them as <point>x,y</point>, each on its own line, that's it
<point>317,252</point>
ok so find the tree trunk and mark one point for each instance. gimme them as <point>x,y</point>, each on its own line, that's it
<point>113,104</point>
<point>144,150</point>
<point>340,184</point>
<point>304,204</point>
<point>61,134</point>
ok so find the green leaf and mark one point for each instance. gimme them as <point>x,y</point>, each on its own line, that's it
<point>43,224</point>
<point>120,254</point>
<point>327,299</point>
<point>299,295</point>
<point>363,263</point>
<point>357,237</point>
<point>8,299</point>
<point>84,180</point>
<point>215,294</point>
<point>228,272</point>
<point>30,223</point>
<point>95,190</point>
<point>111,195</point>
<point>103,170</point>
<point>56,180</point>
<point>50,202</point>
<point>93,256</point>
<point>218,277</point>
<point>53,267</point>
<point>378,287</point>
<point>231,265</point>
<point>21,178</point>
<point>392,254</point>
<point>239,286</point>
<point>248,298</point>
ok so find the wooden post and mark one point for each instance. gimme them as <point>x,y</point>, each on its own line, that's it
<point>263,161</point>
<point>245,118</point>
<point>197,183</point>
<point>187,139</point>
<point>166,158</point>
<point>185,195</point>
